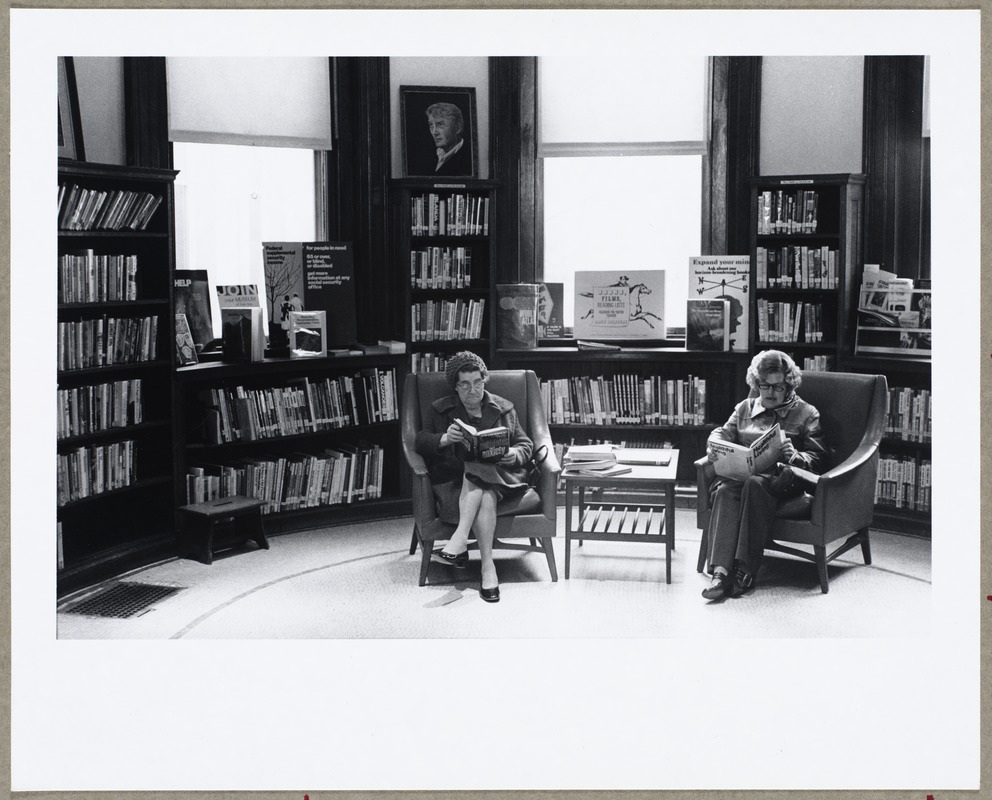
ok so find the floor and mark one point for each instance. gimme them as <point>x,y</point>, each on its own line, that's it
<point>360,581</point>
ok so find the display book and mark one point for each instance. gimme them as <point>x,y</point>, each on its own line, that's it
<point>707,324</point>
<point>516,315</point>
<point>739,462</point>
<point>487,446</point>
<point>191,297</point>
<point>894,314</point>
<point>242,334</point>
<point>718,278</point>
<point>308,334</point>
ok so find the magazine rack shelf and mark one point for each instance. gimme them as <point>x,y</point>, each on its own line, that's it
<point>272,423</point>
<point>442,239</point>
<point>115,431</point>
<point>805,247</point>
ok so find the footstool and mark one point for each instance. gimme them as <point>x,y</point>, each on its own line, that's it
<point>217,524</point>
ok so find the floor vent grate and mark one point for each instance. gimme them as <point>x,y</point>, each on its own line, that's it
<point>123,600</point>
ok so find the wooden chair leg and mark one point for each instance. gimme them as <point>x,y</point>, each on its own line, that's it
<point>549,552</point>
<point>703,545</point>
<point>821,565</point>
<point>425,562</point>
<point>865,545</point>
<point>413,541</point>
<point>533,542</point>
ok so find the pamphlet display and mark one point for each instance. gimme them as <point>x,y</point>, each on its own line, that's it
<point>620,304</point>
<point>724,278</point>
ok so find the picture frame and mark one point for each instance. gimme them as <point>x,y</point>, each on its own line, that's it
<point>70,128</point>
<point>420,145</point>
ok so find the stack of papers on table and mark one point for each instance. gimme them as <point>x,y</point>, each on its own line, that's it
<point>592,459</point>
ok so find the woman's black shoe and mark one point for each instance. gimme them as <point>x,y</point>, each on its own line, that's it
<point>458,561</point>
<point>719,586</point>
<point>743,581</point>
<point>490,595</point>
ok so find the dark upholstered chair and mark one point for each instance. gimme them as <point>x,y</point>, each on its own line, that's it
<point>532,516</point>
<point>853,410</point>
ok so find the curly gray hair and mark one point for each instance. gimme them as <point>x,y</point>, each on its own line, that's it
<point>774,361</point>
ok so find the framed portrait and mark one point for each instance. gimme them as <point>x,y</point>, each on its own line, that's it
<point>439,133</point>
<point>70,128</point>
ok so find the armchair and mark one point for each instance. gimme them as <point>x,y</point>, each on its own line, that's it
<point>853,411</point>
<point>531,516</point>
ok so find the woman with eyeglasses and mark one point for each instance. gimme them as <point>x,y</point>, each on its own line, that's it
<point>468,491</point>
<point>742,512</point>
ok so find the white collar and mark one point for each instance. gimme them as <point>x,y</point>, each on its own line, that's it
<point>443,156</point>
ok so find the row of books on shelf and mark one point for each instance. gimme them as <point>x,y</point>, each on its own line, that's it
<point>819,363</point>
<point>451,215</point>
<point>429,362</point>
<point>236,414</point>
<point>796,267</point>
<point>910,415</point>
<point>624,399</point>
<point>335,476</point>
<point>445,320</point>
<point>82,209</point>
<point>441,268</point>
<point>88,278</point>
<point>904,482</point>
<point>107,341</point>
<point>88,471</point>
<point>98,407</point>
<point>784,322</point>
<point>781,211</point>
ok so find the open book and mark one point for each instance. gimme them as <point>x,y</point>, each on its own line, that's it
<point>488,445</point>
<point>738,462</point>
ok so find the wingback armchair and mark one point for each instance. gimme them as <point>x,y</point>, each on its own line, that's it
<point>532,516</point>
<point>853,411</point>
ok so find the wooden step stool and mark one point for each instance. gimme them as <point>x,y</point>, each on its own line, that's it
<point>216,524</point>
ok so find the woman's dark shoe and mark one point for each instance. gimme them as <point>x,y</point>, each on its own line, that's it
<point>458,561</point>
<point>743,581</point>
<point>490,595</point>
<point>719,586</point>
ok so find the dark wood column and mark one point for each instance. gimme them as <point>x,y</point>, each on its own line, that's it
<point>146,113</point>
<point>894,161</point>
<point>513,162</point>
<point>358,174</point>
<point>743,123</point>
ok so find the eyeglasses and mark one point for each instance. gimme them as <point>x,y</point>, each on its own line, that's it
<point>464,386</point>
<point>773,387</point>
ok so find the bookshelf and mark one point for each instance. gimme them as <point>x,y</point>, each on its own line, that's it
<point>442,243</point>
<point>317,439</point>
<point>639,421</point>
<point>805,247</point>
<point>114,433</point>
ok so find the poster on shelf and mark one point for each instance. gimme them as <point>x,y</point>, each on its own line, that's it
<point>620,304</point>
<point>725,278</point>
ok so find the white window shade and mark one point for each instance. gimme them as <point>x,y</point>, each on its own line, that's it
<point>644,99</point>
<point>276,102</point>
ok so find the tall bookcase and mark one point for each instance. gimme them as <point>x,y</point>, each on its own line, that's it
<point>318,439</point>
<point>645,417</point>
<point>442,246</point>
<point>805,246</point>
<point>115,362</point>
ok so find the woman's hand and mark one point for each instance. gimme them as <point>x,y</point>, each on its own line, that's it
<point>454,435</point>
<point>710,455</point>
<point>509,458</point>
<point>788,451</point>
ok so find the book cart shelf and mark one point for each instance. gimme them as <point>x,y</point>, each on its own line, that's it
<point>671,369</point>
<point>318,439</point>
<point>115,362</point>
<point>442,247</point>
<point>805,246</point>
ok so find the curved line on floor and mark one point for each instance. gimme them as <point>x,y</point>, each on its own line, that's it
<point>237,598</point>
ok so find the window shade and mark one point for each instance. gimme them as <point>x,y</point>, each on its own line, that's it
<point>277,102</point>
<point>637,99</point>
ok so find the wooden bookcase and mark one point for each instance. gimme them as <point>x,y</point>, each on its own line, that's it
<point>722,372</point>
<point>789,241</point>
<point>421,242</point>
<point>276,398</point>
<point>114,445</point>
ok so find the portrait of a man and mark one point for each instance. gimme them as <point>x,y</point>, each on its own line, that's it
<point>439,131</point>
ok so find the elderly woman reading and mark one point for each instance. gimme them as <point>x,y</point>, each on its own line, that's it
<point>743,510</point>
<point>467,490</point>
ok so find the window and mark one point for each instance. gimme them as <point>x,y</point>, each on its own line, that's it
<point>622,164</point>
<point>230,199</point>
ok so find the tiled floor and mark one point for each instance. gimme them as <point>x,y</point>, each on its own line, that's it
<point>361,582</point>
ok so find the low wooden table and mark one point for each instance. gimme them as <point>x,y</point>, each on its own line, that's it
<point>225,522</point>
<point>621,522</point>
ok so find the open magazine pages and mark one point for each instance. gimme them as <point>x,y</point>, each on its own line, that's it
<point>738,462</point>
